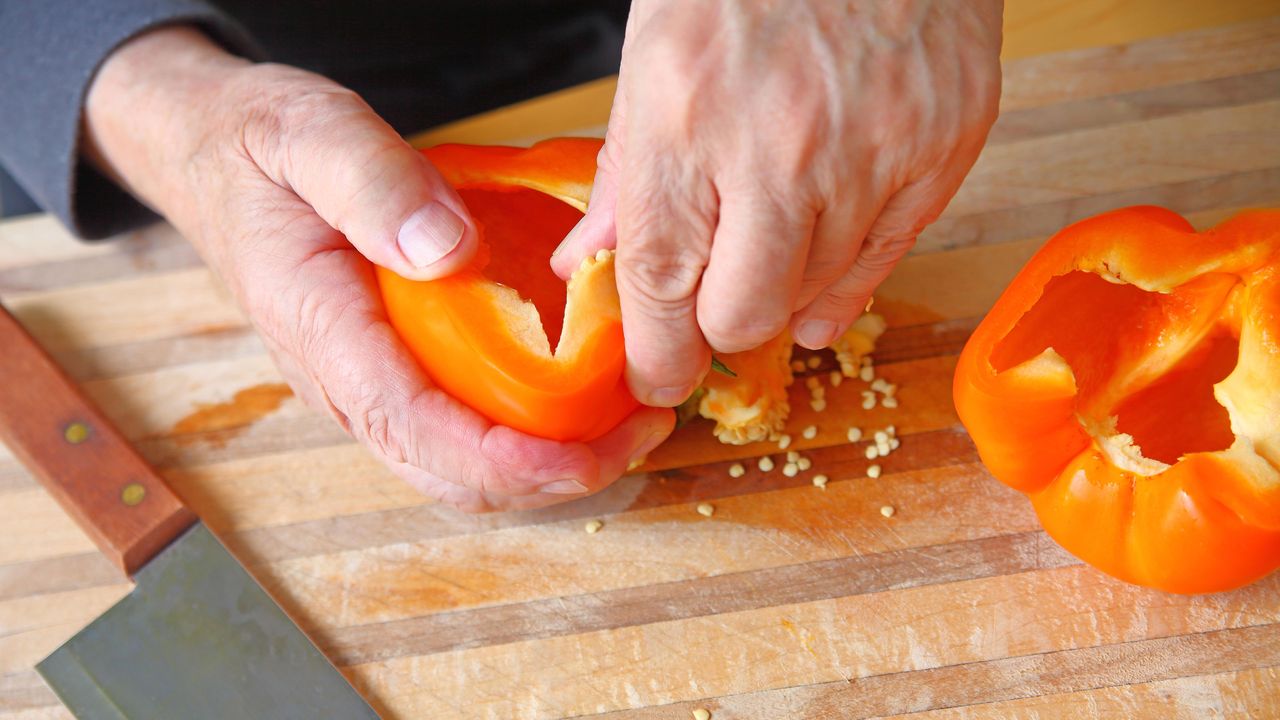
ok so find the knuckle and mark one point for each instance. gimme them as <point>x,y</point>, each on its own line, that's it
<point>663,284</point>
<point>734,331</point>
<point>843,302</point>
<point>375,427</point>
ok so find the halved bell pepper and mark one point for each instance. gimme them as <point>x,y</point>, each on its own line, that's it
<point>485,334</point>
<point>1128,381</point>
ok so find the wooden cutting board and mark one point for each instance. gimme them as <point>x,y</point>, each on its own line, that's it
<point>790,601</point>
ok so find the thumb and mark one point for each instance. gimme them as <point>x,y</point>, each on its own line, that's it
<point>365,181</point>
<point>596,230</point>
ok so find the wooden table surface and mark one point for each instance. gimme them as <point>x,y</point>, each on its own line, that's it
<point>790,602</point>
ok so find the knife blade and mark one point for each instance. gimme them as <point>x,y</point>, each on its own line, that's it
<point>197,637</point>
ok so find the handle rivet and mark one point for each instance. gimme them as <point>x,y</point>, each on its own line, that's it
<point>76,433</point>
<point>132,494</point>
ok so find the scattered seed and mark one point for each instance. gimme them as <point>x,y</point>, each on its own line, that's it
<point>868,402</point>
<point>873,471</point>
<point>883,448</point>
<point>706,509</point>
<point>866,374</point>
<point>810,432</point>
<point>765,464</point>
<point>784,441</point>
<point>854,434</point>
<point>818,405</point>
<point>890,402</point>
<point>886,510</point>
<point>811,382</point>
<point>892,430</point>
<point>870,301</point>
<point>804,463</point>
<point>820,481</point>
<point>881,436</point>
<point>736,470</point>
<point>872,452</point>
<point>890,390</point>
<point>814,361</point>
<point>701,714</point>
<point>879,384</point>
<point>866,361</point>
<point>894,443</point>
<point>593,526</point>
<point>836,378</point>
<point>790,469</point>
<point>797,365</point>
<point>818,392</point>
<point>792,456</point>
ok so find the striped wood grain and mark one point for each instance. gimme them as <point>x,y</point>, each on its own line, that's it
<point>790,600</point>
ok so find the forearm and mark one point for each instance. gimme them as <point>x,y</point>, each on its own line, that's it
<point>142,115</point>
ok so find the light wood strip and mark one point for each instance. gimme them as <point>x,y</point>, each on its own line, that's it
<point>1037,27</point>
<point>1175,59</point>
<point>569,614</point>
<point>1214,197</point>
<point>1240,695</point>
<point>130,310</point>
<point>255,491</point>
<point>826,641</point>
<point>748,533</point>
<point>32,627</point>
<point>968,690</point>
<point>1120,158</point>
<point>945,454</point>
<point>1136,106</point>
<point>1031,28</point>
<point>24,690</point>
<point>50,259</point>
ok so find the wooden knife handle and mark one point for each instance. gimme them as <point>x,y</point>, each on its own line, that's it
<point>82,460</point>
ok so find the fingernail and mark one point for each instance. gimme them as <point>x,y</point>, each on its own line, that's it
<point>815,334</point>
<point>669,396</point>
<point>565,242</point>
<point>564,487</point>
<point>429,234</point>
<point>641,453</point>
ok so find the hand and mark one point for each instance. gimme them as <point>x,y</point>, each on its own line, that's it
<point>767,164</point>
<point>288,185</point>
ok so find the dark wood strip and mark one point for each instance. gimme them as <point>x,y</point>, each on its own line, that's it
<point>1137,106</point>
<point>715,595</point>
<point>981,683</point>
<point>1242,189</point>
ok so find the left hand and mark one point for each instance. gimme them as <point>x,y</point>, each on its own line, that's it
<point>768,163</point>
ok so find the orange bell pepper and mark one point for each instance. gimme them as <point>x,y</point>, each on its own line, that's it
<point>1128,381</point>
<point>485,334</point>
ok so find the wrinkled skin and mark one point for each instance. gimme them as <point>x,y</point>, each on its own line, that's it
<point>282,180</point>
<point>769,174</point>
<point>763,175</point>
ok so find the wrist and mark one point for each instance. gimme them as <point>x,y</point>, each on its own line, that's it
<point>148,107</point>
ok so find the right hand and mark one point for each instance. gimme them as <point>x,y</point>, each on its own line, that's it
<point>288,184</point>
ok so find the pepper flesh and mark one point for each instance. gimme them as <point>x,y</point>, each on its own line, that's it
<point>1128,381</point>
<point>483,334</point>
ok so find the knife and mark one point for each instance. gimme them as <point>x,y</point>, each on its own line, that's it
<point>197,637</point>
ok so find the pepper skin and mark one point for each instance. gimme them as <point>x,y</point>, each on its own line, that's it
<point>475,334</point>
<point>1128,381</point>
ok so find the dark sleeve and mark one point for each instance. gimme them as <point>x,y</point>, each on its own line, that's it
<point>49,52</point>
